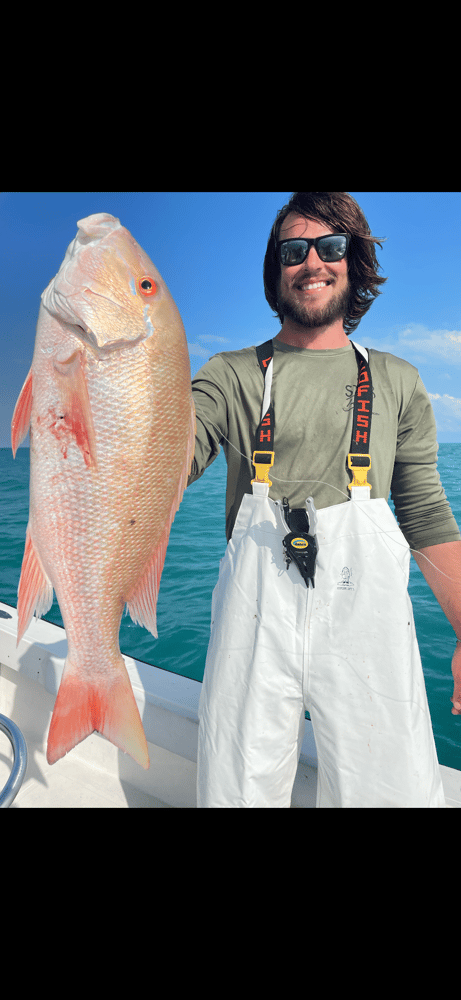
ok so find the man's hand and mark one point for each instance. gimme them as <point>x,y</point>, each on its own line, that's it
<point>456,668</point>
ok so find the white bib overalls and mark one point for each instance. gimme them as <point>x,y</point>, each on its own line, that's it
<point>345,651</point>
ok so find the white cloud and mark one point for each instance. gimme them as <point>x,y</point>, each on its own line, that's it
<point>202,350</point>
<point>417,344</point>
<point>197,349</point>
<point>211,336</point>
<point>444,344</point>
<point>447,411</point>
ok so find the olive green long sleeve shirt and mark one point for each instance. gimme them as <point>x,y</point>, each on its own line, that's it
<point>313,396</point>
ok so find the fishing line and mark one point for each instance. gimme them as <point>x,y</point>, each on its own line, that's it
<point>382,531</point>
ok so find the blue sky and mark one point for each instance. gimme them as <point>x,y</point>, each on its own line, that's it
<point>209,248</point>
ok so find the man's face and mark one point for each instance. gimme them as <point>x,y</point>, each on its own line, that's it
<point>313,293</point>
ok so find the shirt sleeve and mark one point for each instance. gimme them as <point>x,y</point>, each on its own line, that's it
<point>211,415</point>
<point>421,506</point>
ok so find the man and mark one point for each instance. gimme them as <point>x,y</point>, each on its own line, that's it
<point>311,610</point>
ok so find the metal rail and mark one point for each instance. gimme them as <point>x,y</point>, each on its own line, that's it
<point>18,770</point>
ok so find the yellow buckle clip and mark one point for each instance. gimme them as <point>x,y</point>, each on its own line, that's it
<point>359,472</point>
<point>262,461</point>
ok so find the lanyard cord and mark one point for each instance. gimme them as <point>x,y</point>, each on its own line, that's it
<point>358,459</point>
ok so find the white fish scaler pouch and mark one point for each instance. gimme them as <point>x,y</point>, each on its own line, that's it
<point>340,644</point>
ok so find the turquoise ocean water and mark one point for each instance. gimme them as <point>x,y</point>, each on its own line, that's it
<point>197,543</point>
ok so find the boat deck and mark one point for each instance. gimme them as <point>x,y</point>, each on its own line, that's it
<point>96,774</point>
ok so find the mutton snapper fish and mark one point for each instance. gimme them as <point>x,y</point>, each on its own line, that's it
<point>109,406</point>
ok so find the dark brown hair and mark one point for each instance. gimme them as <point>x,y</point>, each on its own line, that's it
<point>340,212</point>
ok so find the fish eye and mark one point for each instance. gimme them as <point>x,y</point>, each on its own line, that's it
<point>147,285</point>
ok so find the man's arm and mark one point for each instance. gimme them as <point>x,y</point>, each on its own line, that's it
<point>443,574</point>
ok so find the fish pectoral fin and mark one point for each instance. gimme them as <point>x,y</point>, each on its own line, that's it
<point>102,703</point>
<point>35,590</point>
<point>76,405</point>
<point>21,416</point>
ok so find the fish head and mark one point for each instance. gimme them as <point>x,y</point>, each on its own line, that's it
<point>109,290</point>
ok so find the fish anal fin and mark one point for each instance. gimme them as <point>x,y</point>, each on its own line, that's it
<point>105,705</point>
<point>142,604</point>
<point>21,415</point>
<point>35,590</point>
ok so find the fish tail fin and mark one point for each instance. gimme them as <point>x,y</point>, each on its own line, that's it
<point>86,705</point>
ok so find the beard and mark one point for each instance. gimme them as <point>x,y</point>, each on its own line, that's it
<point>310,316</point>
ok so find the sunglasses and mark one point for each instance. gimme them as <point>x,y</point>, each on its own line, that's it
<point>329,248</point>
